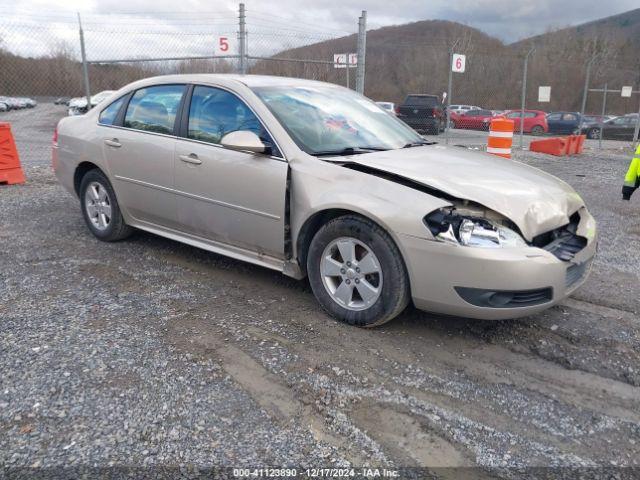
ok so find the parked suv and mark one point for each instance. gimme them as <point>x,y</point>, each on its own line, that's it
<point>423,113</point>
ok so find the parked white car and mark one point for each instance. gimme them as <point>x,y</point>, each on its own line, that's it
<point>78,105</point>
<point>463,108</point>
<point>17,103</point>
<point>388,107</point>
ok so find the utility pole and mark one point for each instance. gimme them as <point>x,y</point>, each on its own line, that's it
<point>242,39</point>
<point>524,95</point>
<point>85,66</point>
<point>586,89</point>
<point>449,85</point>
<point>361,51</point>
<point>604,111</point>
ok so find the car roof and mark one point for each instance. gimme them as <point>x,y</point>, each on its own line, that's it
<point>248,80</point>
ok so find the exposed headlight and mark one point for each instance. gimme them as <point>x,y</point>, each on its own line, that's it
<point>450,227</point>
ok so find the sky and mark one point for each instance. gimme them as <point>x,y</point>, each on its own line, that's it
<point>166,27</point>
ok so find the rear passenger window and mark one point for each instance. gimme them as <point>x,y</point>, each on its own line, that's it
<point>153,109</point>
<point>109,114</point>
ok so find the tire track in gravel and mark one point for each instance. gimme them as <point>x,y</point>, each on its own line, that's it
<point>541,417</point>
<point>266,388</point>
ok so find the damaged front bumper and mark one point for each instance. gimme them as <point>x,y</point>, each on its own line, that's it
<point>498,283</point>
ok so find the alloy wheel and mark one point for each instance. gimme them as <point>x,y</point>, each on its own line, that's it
<point>98,205</point>
<point>351,273</point>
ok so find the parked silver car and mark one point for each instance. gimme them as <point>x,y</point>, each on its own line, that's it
<point>312,179</point>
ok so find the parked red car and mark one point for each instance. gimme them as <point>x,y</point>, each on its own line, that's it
<point>473,119</point>
<point>535,121</point>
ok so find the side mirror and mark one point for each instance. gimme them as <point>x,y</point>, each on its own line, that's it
<point>243,140</point>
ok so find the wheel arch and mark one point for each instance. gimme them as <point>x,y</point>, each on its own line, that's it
<point>80,171</point>
<point>316,220</point>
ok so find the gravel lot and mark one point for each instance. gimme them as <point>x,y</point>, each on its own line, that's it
<point>152,353</point>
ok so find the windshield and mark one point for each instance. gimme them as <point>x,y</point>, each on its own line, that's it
<point>327,119</point>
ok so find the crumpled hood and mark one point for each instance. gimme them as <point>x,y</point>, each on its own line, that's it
<point>534,200</point>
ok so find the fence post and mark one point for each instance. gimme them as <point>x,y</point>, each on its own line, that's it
<point>242,40</point>
<point>449,85</point>
<point>524,95</point>
<point>361,51</point>
<point>347,70</point>
<point>85,66</point>
<point>604,110</point>
<point>587,77</point>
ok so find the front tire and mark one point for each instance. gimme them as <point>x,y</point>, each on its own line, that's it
<point>537,130</point>
<point>593,133</point>
<point>100,208</point>
<point>357,273</point>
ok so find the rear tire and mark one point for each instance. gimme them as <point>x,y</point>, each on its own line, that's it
<point>537,130</point>
<point>100,208</point>
<point>593,133</point>
<point>350,255</point>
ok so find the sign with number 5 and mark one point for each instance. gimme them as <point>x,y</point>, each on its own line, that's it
<point>225,45</point>
<point>458,63</point>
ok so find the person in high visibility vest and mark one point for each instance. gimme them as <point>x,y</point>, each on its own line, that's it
<point>632,179</point>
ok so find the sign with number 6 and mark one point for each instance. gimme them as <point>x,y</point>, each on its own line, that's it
<point>225,45</point>
<point>458,63</point>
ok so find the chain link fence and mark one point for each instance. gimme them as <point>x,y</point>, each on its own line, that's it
<point>41,58</point>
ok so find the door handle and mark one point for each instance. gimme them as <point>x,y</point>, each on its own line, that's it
<point>191,158</point>
<point>113,143</point>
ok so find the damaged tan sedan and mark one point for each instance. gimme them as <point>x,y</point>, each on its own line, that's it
<point>312,179</point>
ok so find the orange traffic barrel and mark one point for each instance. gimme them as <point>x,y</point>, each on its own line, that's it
<point>500,137</point>
<point>10,169</point>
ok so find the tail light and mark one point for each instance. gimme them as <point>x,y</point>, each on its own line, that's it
<point>55,137</point>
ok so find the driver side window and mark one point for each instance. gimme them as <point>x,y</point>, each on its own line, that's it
<point>215,112</point>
